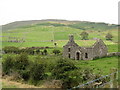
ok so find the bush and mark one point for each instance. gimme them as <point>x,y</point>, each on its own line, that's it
<point>87,74</point>
<point>21,66</point>
<point>25,74</point>
<point>21,62</point>
<point>7,65</point>
<point>11,49</point>
<point>37,72</point>
<point>61,68</point>
<point>69,82</point>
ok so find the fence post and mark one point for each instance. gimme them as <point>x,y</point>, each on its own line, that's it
<point>113,83</point>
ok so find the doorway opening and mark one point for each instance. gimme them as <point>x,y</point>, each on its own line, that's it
<point>77,55</point>
<point>69,55</point>
<point>86,55</point>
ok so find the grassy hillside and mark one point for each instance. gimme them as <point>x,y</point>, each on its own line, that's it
<point>46,32</point>
<point>19,24</point>
<point>56,22</point>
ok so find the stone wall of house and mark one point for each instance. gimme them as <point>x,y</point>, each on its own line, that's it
<point>87,53</point>
<point>99,49</point>
<point>74,51</point>
<point>113,54</point>
<point>69,51</point>
<point>70,48</point>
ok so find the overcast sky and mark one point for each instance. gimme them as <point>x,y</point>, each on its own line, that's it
<point>83,10</point>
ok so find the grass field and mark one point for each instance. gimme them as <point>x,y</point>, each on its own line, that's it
<point>39,33</point>
<point>112,47</point>
<point>42,35</point>
<point>102,64</point>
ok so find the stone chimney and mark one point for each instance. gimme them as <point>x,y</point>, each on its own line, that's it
<point>71,38</point>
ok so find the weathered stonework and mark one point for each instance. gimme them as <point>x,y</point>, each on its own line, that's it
<point>74,51</point>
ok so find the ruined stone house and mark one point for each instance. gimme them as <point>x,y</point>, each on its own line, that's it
<point>74,51</point>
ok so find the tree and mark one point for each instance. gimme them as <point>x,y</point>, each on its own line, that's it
<point>37,51</point>
<point>55,44</point>
<point>45,51</point>
<point>84,35</point>
<point>109,36</point>
<point>56,51</point>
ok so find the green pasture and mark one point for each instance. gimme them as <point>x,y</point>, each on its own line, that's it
<point>102,64</point>
<point>112,47</point>
<point>42,33</point>
<point>46,34</point>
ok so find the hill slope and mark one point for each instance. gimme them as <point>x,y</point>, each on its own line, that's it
<point>74,24</point>
<point>18,24</point>
<point>46,32</point>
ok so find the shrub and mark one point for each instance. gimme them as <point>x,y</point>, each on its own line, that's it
<point>21,62</point>
<point>11,49</point>
<point>69,82</point>
<point>7,65</point>
<point>37,72</point>
<point>21,66</point>
<point>61,68</point>
<point>87,74</point>
<point>25,74</point>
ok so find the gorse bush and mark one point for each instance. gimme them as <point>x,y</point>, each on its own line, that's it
<point>87,74</point>
<point>7,65</point>
<point>42,69</point>
<point>62,71</point>
<point>21,62</point>
<point>62,67</point>
<point>37,72</point>
<point>18,64</point>
<point>21,65</point>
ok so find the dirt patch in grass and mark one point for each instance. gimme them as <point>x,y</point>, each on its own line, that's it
<point>13,84</point>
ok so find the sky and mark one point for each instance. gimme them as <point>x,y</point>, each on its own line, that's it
<point>82,10</point>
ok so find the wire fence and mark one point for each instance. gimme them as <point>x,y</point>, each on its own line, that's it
<point>91,84</point>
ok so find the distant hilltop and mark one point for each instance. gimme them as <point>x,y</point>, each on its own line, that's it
<point>75,24</point>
